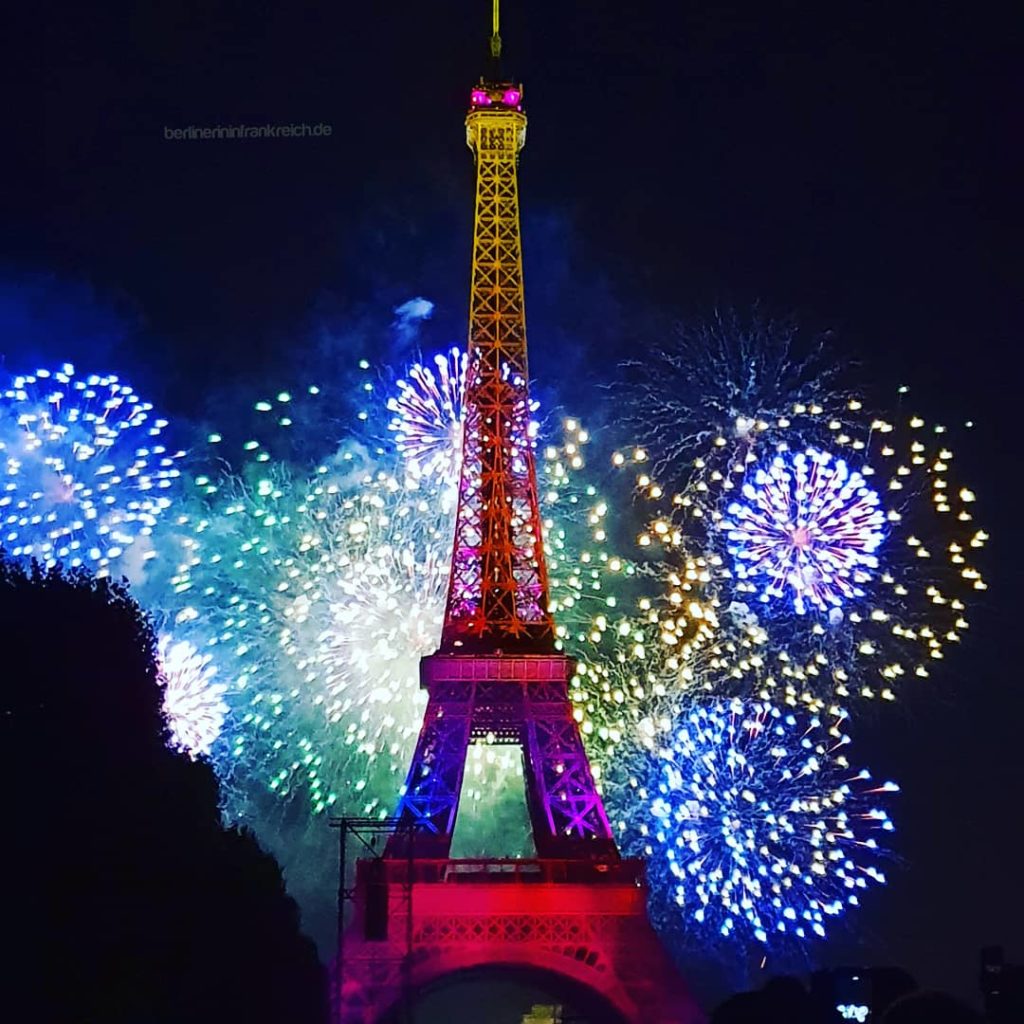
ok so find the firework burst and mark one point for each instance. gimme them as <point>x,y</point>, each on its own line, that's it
<point>756,828</point>
<point>316,598</point>
<point>806,526</point>
<point>85,475</point>
<point>369,605</point>
<point>193,703</point>
<point>635,642</point>
<point>428,416</point>
<point>718,378</point>
<point>839,549</point>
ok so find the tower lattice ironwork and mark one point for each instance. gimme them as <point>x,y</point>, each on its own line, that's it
<point>498,591</point>
<point>578,910</point>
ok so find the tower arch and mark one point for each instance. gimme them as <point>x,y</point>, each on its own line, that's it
<point>561,983</point>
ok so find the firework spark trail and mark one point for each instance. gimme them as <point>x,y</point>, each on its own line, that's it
<point>428,416</point>
<point>719,377</point>
<point>636,647</point>
<point>756,828</point>
<point>85,475</point>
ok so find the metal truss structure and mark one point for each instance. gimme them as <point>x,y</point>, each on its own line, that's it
<point>579,911</point>
<point>368,833</point>
<point>522,699</point>
<point>498,589</point>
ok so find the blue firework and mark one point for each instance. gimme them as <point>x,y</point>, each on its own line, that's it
<point>756,828</point>
<point>808,528</point>
<point>85,474</point>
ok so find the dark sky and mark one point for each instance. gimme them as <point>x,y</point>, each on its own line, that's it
<point>857,164</point>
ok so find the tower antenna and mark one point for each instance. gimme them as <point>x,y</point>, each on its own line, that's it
<point>495,30</point>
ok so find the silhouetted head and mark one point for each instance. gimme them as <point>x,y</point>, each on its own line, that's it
<point>745,1008</point>
<point>931,1008</point>
<point>786,999</point>
<point>786,988</point>
<point>887,985</point>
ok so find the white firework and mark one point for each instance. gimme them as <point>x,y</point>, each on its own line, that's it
<point>375,607</point>
<point>428,416</point>
<point>809,525</point>
<point>193,703</point>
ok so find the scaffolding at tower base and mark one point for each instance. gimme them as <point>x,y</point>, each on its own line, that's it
<point>367,831</point>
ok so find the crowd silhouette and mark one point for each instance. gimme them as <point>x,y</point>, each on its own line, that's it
<point>884,995</point>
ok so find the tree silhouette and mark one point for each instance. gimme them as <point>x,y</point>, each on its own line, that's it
<point>128,901</point>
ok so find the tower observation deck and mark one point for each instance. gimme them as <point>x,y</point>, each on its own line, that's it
<point>578,909</point>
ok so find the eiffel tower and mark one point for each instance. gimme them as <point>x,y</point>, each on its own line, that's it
<point>577,912</point>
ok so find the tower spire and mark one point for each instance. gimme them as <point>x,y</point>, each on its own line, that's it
<point>498,588</point>
<point>496,30</point>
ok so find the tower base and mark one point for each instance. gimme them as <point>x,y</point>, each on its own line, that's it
<point>581,921</point>
<point>511,698</point>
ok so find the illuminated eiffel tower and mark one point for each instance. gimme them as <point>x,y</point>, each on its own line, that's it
<point>576,913</point>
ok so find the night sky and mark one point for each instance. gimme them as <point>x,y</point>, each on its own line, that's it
<point>857,166</point>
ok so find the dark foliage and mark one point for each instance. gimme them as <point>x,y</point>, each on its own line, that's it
<point>128,900</point>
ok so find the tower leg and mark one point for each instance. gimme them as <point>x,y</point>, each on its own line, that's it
<point>431,800</point>
<point>566,812</point>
